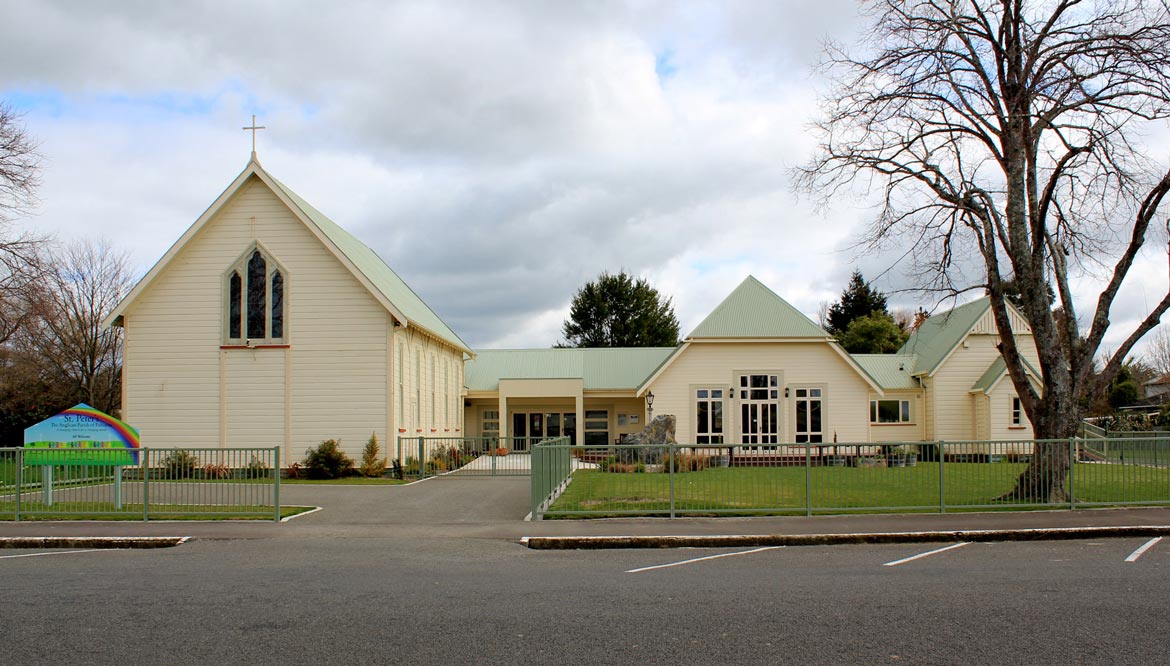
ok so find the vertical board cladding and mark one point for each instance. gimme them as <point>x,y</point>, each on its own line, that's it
<point>799,364</point>
<point>336,334</point>
<point>950,388</point>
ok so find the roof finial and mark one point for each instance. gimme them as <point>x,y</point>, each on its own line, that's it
<point>253,129</point>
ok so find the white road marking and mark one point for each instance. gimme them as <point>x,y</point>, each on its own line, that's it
<point>1133,557</point>
<point>926,554</point>
<point>55,552</point>
<point>298,515</point>
<point>701,559</point>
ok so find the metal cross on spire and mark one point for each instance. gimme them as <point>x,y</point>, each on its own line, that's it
<point>253,129</point>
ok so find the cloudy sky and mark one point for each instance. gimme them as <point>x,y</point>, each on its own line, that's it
<point>496,154</point>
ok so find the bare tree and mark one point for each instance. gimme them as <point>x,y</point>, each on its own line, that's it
<point>1006,130</point>
<point>20,252</point>
<point>1158,351</point>
<point>85,281</point>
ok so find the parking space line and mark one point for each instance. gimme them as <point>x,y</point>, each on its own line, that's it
<point>928,553</point>
<point>1133,557</point>
<point>701,559</point>
<point>55,552</point>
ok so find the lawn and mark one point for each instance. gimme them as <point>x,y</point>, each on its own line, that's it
<point>779,490</point>
<point>106,511</point>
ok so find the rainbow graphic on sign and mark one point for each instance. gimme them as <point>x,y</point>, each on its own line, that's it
<point>81,435</point>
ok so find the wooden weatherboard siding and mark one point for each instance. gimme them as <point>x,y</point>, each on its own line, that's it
<point>799,364</point>
<point>336,344</point>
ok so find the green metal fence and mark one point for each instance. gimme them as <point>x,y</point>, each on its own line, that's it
<point>423,457</point>
<point>150,483</point>
<point>843,478</point>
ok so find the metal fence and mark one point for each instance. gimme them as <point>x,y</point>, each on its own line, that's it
<point>421,457</point>
<point>149,483</point>
<point>842,478</point>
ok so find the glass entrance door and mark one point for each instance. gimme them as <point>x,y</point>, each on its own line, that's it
<point>759,422</point>
<point>519,432</point>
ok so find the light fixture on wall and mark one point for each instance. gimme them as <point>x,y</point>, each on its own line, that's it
<point>785,391</point>
<point>650,406</point>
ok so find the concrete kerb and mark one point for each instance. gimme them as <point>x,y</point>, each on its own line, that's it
<point>761,540</point>
<point>92,542</point>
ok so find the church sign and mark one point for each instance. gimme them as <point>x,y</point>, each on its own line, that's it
<point>56,440</point>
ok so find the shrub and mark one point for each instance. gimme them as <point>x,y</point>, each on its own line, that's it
<point>373,464</point>
<point>687,462</point>
<point>216,471</point>
<point>327,461</point>
<point>258,469</point>
<point>614,465</point>
<point>180,464</point>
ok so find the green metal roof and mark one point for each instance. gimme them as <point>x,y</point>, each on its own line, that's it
<point>755,311</point>
<point>890,371</point>
<point>600,368</point>
<point>997,369</point>
<point>938,335</point>
<point>392,287</point>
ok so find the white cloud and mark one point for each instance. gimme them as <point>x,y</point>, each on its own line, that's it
<point>497,154</point>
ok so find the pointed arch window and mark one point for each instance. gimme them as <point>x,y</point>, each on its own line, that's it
<point>255,311</point>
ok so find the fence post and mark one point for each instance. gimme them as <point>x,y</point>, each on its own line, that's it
<point>145,485</point>
<point>942,484</point>
<point>670,450</point>
<point>1072,466</point>
<point>807,479</point>
<point>536,463</point>
<point>276,483</point>
<point>20,478</point>
<point>422,463</point>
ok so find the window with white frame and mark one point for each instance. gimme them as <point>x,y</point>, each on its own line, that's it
<point>759,407</point>
<point>709,416</point>
<point>418,390</point>
<point>809,416</point>
<point>255,311</point>
<point>1017,412</point>
<point>489,424</point>
<point>889,411</point>
<point>596,427</point>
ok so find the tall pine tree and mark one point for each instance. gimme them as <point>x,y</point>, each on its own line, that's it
<point>857,300</point>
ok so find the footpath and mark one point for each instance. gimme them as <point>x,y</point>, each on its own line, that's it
<point>496,508</point>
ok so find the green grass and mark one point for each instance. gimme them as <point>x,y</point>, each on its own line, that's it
<point>780,490</point>
<point>106,511</point>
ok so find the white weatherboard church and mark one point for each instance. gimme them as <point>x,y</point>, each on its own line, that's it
<point>267,324</point>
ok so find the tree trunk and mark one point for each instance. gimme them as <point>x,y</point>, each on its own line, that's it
<point>1045,478</point>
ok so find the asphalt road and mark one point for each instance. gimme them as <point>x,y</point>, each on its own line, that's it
<point>489,601</point>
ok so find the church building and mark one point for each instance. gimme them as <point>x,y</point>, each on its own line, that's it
<point>267,324</point>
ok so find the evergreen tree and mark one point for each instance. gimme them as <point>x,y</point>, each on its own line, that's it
<point>875,333</point>
<point>857,300</point>
<point>620,311</point>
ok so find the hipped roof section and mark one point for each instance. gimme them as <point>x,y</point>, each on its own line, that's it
<point>366,266</point>
<point>755,311</point>
<point>599,368</point>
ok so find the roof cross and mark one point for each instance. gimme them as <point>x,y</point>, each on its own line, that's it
<point>253,129</point>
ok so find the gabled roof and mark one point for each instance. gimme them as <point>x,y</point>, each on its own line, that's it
<point>621,368</point>
<point>366,266</point>
<point>890,371</point>
<point>755,311</point>
<point>938,336</point>
<point>934,339</point>
<point>997,371</point>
